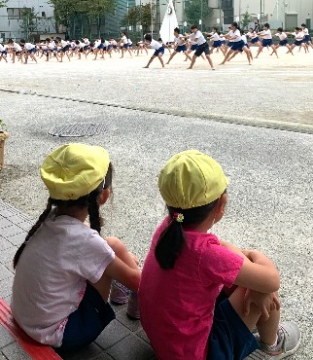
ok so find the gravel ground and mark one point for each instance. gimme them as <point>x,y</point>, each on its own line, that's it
<point>270,192</point>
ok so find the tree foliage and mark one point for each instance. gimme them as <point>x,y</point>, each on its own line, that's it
<point>29,21</point>
<point>3,3</point>
<point>196,10</point>
<point>138,15</point>
<point>95,10</point>
<point>246,19</point>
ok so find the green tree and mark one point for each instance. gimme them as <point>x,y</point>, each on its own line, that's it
<point>246,19</point>
<point>138,15</point>
<point>64,11</point>
<point>3,3</point>
<point>196,10</point>
<point>97,10</point>
<point>29,21</point>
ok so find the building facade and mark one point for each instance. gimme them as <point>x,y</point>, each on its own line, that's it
<point>286,13</point>
<point>12,18</point>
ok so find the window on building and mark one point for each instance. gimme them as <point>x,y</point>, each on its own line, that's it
<point>43,14</point>
<point>16,13</point>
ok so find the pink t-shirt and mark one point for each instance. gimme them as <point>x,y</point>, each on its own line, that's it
<point>177,305</point>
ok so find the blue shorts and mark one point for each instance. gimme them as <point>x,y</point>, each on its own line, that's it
<point>283,42</point>
<point>194,47</point>
<point>255,40</point>
<point>267,42</point>
<point>217,44</point>
<point>229,337</point>
<point>101,46</point>
<point>159,51</point>
<point>182,48</point>
<point>65,48</point>
<point>87,322</point>
<point>4,52</point>
<point>306,39</point>
<point>125,46</point>
<point>237,46</point>
<point>298,43</point>
<point>32,51</point>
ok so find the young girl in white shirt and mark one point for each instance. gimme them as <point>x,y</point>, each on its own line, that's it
<point>158,49</point>
<point>267,40</point>
<point>283,40</point>
<point>64,268</point>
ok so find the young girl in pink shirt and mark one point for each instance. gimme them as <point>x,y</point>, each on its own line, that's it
<point>201,297</point>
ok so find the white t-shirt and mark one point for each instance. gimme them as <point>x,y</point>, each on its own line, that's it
<point>17,47</point>
<point>124,39</point>
<point>216,37</point>
<point>244,38</point>
<point>235,33</point>
<point>198,35</point>
<point>305,31</point>
<point>2,48</point>
<point>155,44</point>
<point>282,36</point>
<point>52,273</point>
<point>252,35</point>
<point>299,36</point>
<point>179,40</point>
<point>266,34</point>
<point>29,46</point>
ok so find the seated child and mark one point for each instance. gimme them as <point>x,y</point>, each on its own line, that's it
<point>201,297</point>
<point>64,269</point>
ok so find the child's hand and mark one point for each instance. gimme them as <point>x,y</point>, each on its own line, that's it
<point>134,257</point>
<point>265,302</point>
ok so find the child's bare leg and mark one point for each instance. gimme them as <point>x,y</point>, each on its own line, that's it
<point>267,327</point>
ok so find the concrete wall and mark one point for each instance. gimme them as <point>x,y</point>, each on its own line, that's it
<point>10,26</point>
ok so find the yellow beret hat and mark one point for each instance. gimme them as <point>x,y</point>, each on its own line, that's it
<point>74,170</point>
<point>191,179</point>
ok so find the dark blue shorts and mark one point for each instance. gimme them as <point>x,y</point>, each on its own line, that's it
<point>87,322</point>
<point>203,48</point>
<point>238,45</point>
<point>217,44</point>
<point>267,42</point>
<point>229,337</point>
<point>255,40</point>
<point>298,43</point>
<point>159,51</point>
<point>180,48</point>
<point>194,47</point>
<point>283,42</point>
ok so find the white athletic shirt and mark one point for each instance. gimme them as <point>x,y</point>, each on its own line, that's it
<point>179,40</point>
<point>106,43</point>
<point>282,36</point>
<point>299,36</point>
<point>244,38</point>
<point>266,34</point>
<point>155,44</point>
<point>96,44</point>
<point>216,37</point>
<point>235,33</point>
<point>29,46</point>
<point>198,35</point>
<point>52,273</point>
<point>124,39</point>
<point>305,31</point>
<point>17,47</point>
<point>252,35</point>
<point>2,48</point>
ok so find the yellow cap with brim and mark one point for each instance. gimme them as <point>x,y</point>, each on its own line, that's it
<point>191,179</point>
<point>74,170</point>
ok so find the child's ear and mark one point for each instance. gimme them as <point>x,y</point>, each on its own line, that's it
<point>220,208</point>
<point>103,197</point>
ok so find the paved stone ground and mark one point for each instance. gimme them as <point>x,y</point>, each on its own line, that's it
<point>270,206</point>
